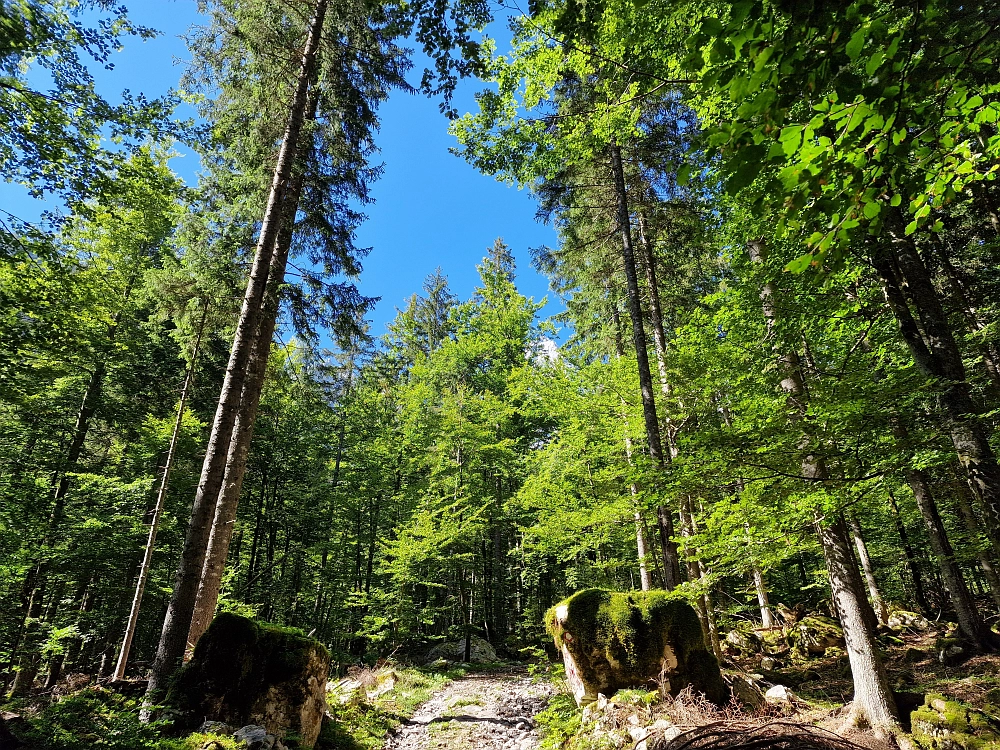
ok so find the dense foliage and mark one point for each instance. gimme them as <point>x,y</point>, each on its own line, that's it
<point>777,383</point>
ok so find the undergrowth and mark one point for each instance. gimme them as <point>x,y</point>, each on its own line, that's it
<point>90,718</point>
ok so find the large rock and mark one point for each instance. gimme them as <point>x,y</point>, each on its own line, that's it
<point>248,673</point>
<point>942,724</point>
<point>611,641</point>
<point>903,620</point>
<point>482,652</point>
<point>813,635</point>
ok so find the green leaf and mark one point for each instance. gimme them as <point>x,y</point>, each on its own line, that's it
<point>800,264</point>
<point>911,227</point>
<point>684,174</point>
<point>853,48</point>
<point>745,174</point>
<point>872,209</point>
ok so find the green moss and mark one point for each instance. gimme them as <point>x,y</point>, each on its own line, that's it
<point>233,663</point>
<point>812,635</point>
<point>616,622</point>
<point>942,724</point>
<point>632,630</point>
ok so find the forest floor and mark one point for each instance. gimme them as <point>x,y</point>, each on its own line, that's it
<point>487,711</point>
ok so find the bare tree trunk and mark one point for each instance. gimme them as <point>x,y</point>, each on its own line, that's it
<point>911,558</point>
<point>936,354</point>
<point>766,618</point>
<point>878,603</point>
<point>161,497</point>
<point>640,526</point>
<point>873,700</point>
<point>671,560</point>
<point>224,520</point>
<point>698,574</point>
<point>972,525</point>
<point>969,621</point>
<point>173,639</point>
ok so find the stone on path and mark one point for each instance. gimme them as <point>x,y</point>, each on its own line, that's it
<point>481,651</point>
<point>611,641</point>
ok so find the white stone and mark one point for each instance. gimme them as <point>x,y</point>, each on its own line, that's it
<point>779,694</point>
<point>638,733</point>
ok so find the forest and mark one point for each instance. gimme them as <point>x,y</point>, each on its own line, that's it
<point>771,388</point>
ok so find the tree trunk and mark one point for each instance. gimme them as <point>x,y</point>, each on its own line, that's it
<point>937,356</point>
<point>878,603</point>
<point>161,497</point>
<point>972,525</point>
<point>181,609</point>
<point>698,574</point>
<point>766,618</point>
<point>640,527</point>
<point>911,559</point>
<point>656,318</point>
<point>969,621</point>
<point>873,700</point>
<point>671,560</point>
<point>239,448</point>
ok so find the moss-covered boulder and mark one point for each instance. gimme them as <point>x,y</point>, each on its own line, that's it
<point>611,641</point>
<point>813,635</point>
<point>942,724</point>
<point>244,672</point>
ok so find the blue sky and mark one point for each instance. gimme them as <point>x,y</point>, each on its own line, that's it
<point>431,208</point>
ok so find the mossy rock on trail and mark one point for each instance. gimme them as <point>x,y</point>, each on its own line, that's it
<point>611,641</point>
<point>942,724</point>
<point>244,672</point>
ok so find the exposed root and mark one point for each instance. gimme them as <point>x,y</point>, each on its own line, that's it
<point>775,735</point>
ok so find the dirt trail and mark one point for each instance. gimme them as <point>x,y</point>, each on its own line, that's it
<point>492,711</point>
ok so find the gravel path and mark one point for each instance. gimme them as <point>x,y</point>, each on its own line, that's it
<point>492,711</point>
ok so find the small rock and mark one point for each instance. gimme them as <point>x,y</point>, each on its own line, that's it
<point>253,737</point>
<point>745,692</point>
<point>216,727</point>
<point>602,701</point>
<point>952,655</point>
<point>769,664</point>
<point>779,694</point>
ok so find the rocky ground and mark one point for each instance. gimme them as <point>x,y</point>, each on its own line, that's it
<point>490,711</point>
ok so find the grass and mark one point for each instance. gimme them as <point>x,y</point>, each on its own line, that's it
<point>364,724</point>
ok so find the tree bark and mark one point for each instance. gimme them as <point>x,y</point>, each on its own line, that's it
<point>873,700</point>
<point>911,559</point>
<point>969,622</point>
<point>179,613</point>
<point>935,352</point>
<point>161,497</point>
<point>228,500</point>
<point>878,603</point>
<point>766,618</point>
<point>968,514</point>
<point>671,560</point>
<point>640,526</point>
